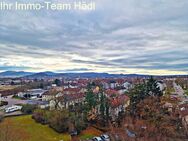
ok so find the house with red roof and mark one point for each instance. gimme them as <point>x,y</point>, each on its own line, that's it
<point>67,100</point>
<point>51,94</point>
<point>118,104</point>
<point>111,92</point>
<point>73,90</point>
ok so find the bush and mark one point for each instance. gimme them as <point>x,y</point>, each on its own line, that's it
<point>1,116</point>
<point>59,121</point>
<point>3,103</point>
<point>80,125</point>
<point>77,122</point>
<point>28,109</point>
<point>39,115</point>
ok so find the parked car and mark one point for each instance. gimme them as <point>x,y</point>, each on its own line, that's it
<point>13,108</point>
<point>74,133</point>
<point>130,133</point>
<point>105,137</point>
<point>97,139</point>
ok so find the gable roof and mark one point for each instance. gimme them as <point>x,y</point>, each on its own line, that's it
<point>52,92</point>
<point>117,101</point>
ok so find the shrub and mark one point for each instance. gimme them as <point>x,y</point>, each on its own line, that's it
<point>28,109</point>
<point>59,121</point>
<point>80,125</point>
<point>39,115</point>
<point>3,103</point>
<point>1,116</point>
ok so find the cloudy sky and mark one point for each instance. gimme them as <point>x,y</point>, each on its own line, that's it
<point>123,36</point>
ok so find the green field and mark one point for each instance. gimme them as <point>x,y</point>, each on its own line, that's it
<point>36,131</point>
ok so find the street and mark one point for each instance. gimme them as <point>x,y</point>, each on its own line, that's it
<point>178,89</point>
<point>11,101</point>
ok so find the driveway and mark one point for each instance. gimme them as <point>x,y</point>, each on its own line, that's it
<point>12,101</point>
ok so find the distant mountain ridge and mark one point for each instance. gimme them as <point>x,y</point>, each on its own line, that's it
<point>48,74</point>
<point>81,75</point>
<point>41,75</point>
<point>13,74</point>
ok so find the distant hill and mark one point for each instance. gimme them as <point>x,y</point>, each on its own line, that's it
<point>48,74</point>
<point>13,74</point>
<point>93,75</point>
<point>41,75</point>
<point>81,75</point>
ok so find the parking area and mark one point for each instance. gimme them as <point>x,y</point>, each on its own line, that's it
<point>12,101</point>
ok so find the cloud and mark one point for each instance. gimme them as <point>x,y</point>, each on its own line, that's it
<point>127,36</point>
<point>76,70</point>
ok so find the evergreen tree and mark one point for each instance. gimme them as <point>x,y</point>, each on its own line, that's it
<point>57,82</point>
<point>104,107</point>
<point>102,104</point>
<point>90,98</point>
<point>107,106</point>
<point>136,95</point>
<point>142,91</point>
<point>152,88</point>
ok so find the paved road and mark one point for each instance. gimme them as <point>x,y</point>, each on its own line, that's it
<point>16,113</point>
<point>178,89</point>
<point>12,101</point>
<point>180,92</point>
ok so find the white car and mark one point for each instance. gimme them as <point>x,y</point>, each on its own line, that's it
<point>97,139</point>
<point>105,137</point>
<point>13,109</point>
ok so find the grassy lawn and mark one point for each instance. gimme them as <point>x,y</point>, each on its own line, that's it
<point>89,133</point>
<point>86,136</point>
<point>39,132</point>
<point>36,131</point>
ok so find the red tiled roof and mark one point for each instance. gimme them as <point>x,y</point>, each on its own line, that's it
<point>69,97</point>
<point>52,92</point>
<point>72,90</point>
<point>120,100</point>
<point>111,92</point>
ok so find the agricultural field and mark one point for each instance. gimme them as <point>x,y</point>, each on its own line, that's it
<point>7,87</point>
